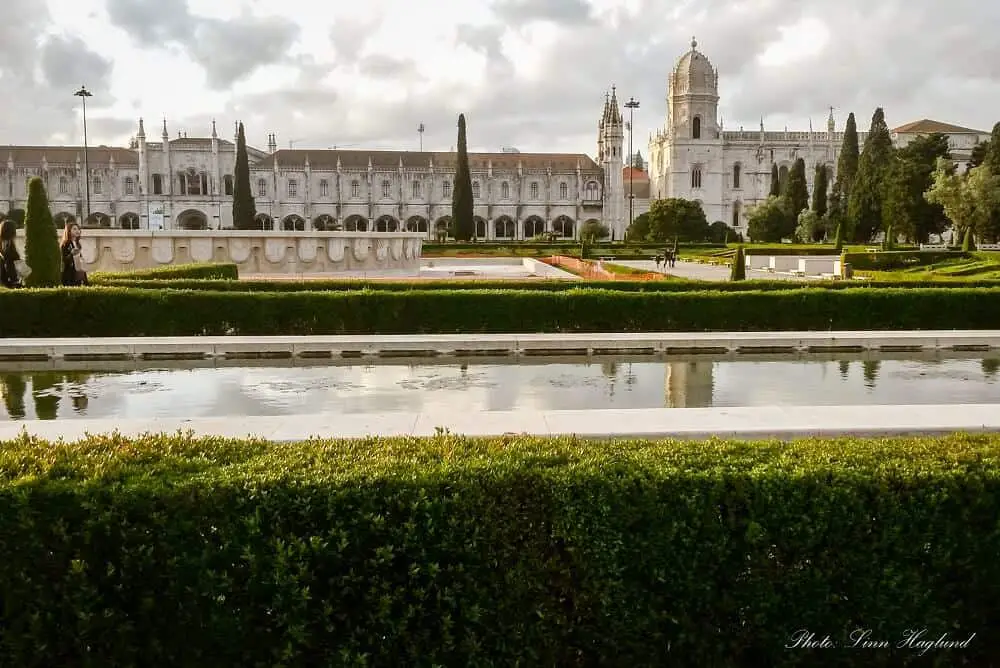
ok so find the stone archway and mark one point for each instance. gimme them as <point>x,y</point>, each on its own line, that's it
<point>386,223</point>
<point>480,226</point>
<point>62,219</point>
<point>504,227</point>
<point>442,228</point>
<point>533,226</point>
<point>325,222</point>
<point>128,221</point>
<point>293,223</point>
<point>563,226</point>
<point>98,219</point>
<point>356,223</point>
<point>262,221</point>
<point>192,219</point>
<point>417,224</point>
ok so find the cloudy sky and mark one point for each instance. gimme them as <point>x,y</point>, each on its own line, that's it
<point>527,73</point>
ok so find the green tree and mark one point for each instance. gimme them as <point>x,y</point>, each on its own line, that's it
<point>639,229</point>
<point>992,155</point>
<point>767,221</point>
<point>592,231</point>
<point>462,205</point>
<point>41,243</point>
<point>796,189</point>
<point>967,199</point>
<point>911,174</point>
<point>864,206</point>
<point>738,270</point>
<point>244,207</point>
<point>676,218</point>
<point>809,227</point>
<point>989,230</point>
<point>968,244</point>
<point>838,238</point>
<point>775,181</point>
<point>979,152</point>
<point>820,192</point>
<point>847,170</point>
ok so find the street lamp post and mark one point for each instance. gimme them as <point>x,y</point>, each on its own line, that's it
<point>83,94</point>
<point>631,105</point>
<point>420,129</point>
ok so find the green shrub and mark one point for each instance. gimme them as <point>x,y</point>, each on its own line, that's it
<point>106,311</point>
<point>41,243</point>
<point>888,260</point>
<point>673,285</point>
<point>196,271</point>
<point>171,551</point>
<point>738,270</point>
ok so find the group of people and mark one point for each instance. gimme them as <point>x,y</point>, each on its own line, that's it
<point>667,259</point>
<point>13,269</point>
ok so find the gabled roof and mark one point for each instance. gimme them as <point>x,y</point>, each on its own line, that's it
<point>67,155</point>
<point>324,159</point>
<point>926,126</point>
<point>637,174</point>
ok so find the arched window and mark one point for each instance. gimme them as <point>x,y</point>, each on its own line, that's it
<point>416,189</point>
<point>446,189</point>
<point>504,190</point>
<point>736,175</point>
<point>63,185</point>
<point>261,187</point>
<point>98,185</point>
<point>563,191</point>
<point>736,214</point>
<point>227,184</point>
<point>591,191</point>
<point>533,189</point>
<point>476,190</point>
<point>696,177</point>
<point>355,188</point>
<point>129,185</point>
<point>387,189</point>
<point>696,128</point>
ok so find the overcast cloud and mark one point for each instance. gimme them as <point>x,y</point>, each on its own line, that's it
<point>527,74</point>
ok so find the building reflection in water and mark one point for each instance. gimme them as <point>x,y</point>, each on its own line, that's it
<point>47,389</point>
<point>689,384</point>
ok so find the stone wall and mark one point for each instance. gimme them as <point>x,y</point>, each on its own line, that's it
<point>254,252</point>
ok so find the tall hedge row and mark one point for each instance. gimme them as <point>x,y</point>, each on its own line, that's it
<point>132,312</point>
<point>167,551</point>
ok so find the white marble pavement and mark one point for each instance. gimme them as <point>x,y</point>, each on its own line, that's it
<point>687,423</point>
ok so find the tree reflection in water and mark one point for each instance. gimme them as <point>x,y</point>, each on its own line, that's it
<point>47,389</point>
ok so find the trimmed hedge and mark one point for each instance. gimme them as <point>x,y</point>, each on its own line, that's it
<point>100,311</point>
<point>888,260</point>
<point>171,551</point>
<point>195,271</point>
<point>669,285</point>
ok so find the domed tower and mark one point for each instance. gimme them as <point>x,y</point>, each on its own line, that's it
<point>693,98</point>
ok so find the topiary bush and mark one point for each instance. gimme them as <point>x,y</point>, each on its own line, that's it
<point>41,243</point>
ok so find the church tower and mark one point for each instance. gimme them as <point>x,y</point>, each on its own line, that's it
<point>693,98</point>
<point>610,140</point>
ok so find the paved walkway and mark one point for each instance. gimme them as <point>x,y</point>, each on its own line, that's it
<point>516,344</point>
<point>755,422</point>
<point>707,272</point>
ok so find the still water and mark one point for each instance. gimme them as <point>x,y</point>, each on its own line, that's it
<point>211,389</point>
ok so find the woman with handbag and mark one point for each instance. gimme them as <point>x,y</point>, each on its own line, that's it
<point>11,265</point>
<point>72,272</point>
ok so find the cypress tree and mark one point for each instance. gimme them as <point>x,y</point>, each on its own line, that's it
<point>738,271</point>
<point>244,208</point>
<point>775,182</point>
<point>992,157</point>
<point>864,206</point>
<point>41,244</point>
<point>838,238</point>
<point>797,190</point>
<point>819,194</point>
<point>847,169</point>
<point>968,244</point>
<point>461,201</point>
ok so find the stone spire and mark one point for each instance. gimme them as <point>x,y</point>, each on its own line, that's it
<point>142,130</point>
<point>166,136</point>
<point>215,135</point>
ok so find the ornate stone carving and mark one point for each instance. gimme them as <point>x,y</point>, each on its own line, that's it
<point>335,249</point>
<point>382,250</point>
<point>412,249</point>
<point>396,248</point>
<point>274,249</point>
<point>239,250</point>
<point>123,250</point>
<point>162,250</point>
<point>88,249</point>
<point>307,249</point>
<point>201,249</point>
<point>362,247</point>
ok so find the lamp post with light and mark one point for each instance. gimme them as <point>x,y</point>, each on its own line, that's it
<point>83,94</point>
<point>631,105</point>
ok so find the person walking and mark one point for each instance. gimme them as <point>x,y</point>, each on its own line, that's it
<point>10,259</point>
<point>72,258</point>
